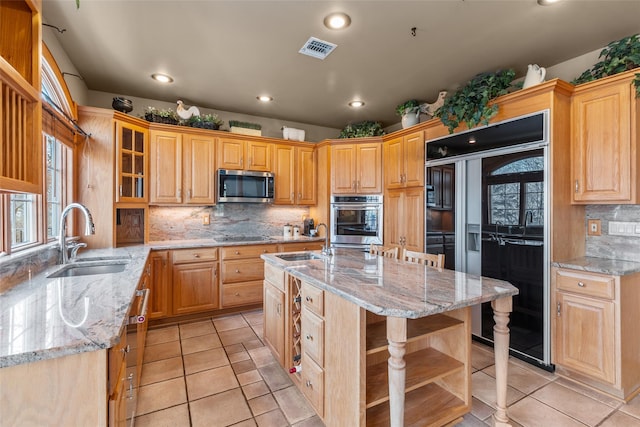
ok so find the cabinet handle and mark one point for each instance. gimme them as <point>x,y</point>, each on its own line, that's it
<point>353,185</point>
<point>582,285</point>
<point>196,255</point>
<point>299,196</point>
<point>237,294</point>
<point>308,299</point>
<point>241,160</point>
<point>558,309</point>
<point>292,196</point>
<point>188,194</point>
<point>309,384</point>
<point>130,378</point>
<point>120,190</point>
<point>264,251</point>
<point>358,184</point>
<point>279,309</point>
<point>310,337</point>
<point>577,186</point>
<point>237,271</point>
<point>179,193</point>
<point>125,350</point>
<point>237,252</point>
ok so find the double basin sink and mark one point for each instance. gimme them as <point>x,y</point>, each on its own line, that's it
<point>300,256</point>
<point>91,266</point>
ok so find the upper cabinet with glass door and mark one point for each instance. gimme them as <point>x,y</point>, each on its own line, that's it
<point>133,172</point>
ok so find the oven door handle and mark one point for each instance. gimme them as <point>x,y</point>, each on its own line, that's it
<point>354,206</point>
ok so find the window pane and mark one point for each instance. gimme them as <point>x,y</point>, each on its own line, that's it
<point>504,203</point>
<point>23,220</point>
<point>529,164</point>
<point>54,179</point>
<point>534,203</point>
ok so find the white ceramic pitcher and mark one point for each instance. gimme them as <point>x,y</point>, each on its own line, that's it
<point>535,75</point>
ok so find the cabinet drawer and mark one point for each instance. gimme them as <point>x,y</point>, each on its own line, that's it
<point>242,270</point>
<point>313,336</point>
<point>117,355</point>
<point>274,275</point>
<point>301,246</point>
<point>181,256</point>
<point>313,384</point>
<point>241,293</point>
<point>596,285</point>
<point>313,298</point>
<point>248,251</point>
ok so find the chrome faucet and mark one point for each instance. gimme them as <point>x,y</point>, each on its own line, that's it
<point>89,228</point>
<point>325,249</point>
<point>528,219</point>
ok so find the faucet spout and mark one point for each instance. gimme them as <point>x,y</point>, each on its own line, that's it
<point>325,249</point>
<point>89,228</point>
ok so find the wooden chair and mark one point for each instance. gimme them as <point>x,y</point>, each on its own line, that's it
<point>430,260</point>
<point>383,251</point>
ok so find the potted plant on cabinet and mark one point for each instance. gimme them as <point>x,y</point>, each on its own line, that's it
<point>470,103</point>
<point>410,113</point>
<point>362,130</point>
<point>617,57</point>
<point>166,116</point>
<point>205,121</point>
<point>245,128</point>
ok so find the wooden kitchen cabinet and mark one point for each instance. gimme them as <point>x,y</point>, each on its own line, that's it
<point>132,170</point>
<point>160,285</point>
<point>295,170</point>
<point>604,141</point>
<point>21,119</point>
<point>182,168</point>
<point>356,168</point>
<point>300,246</point>
<point>404,219</point>
<point>240,154</point>
<point>274,318</point>
<point>404,161</point>
<point>195,280</point>
<point>441,180</point>
<point>595,337</point>
<point>242,274</point>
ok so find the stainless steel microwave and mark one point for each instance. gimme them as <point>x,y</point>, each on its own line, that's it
<point>245,186</point>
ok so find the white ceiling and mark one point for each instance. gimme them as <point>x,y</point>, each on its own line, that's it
<point>222,54</point>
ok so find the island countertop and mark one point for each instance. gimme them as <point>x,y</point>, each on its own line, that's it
<point>391,287</point>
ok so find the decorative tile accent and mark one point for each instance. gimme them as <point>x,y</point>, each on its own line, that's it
<point>613,247</point>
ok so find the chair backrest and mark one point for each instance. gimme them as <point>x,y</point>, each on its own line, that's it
<point>431,260</point>
<point>384,251</point>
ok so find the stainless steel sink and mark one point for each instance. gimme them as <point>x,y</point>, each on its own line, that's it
<point>299,256</point>
<point>90,268</point>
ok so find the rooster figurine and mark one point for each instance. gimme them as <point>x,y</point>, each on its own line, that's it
<point>430,109</point>
<point>185,113</point>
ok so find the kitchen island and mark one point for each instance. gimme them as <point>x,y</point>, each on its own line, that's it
<point>378,341</point>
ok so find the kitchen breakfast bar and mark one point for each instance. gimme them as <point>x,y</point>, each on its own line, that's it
<point>379,341</point>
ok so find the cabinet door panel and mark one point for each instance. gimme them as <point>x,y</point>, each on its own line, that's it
<point>259,156</point>
<point>195,287</point>
<point>394,163</point>
<point>601,145</point>
<point>307,171</point>
<point>343,169</point>
<point>393,218</point>
<point>414,160</point>
<point>284,170</point>
<point>166,167</point>
<point>413,219</point>
<point>369,164</point>
<point>274,321</point>
<point>198,172</point>
<point>242,270</point>
<point>160,282</point>
<point>585,336</point>
<point>230,154</point>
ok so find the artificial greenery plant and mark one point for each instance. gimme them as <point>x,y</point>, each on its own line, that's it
<point>246,125</point>
<point>362,130</point>
<point>408,107</point>
<point>470,104</point>
<point>619,56</point>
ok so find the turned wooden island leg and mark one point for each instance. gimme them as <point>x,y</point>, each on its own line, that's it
<point>397,337</point>
<point>501,309</point>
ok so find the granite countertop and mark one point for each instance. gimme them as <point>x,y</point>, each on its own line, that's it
<point>390,287</point>
<point>44,318</point>
<point>38,317</point>
<point>600,265</point>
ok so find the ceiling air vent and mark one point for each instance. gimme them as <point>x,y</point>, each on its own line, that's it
<point>317,48</point>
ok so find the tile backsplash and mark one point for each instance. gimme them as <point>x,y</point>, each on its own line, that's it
<point>613,247</point>
<point>252,219</point>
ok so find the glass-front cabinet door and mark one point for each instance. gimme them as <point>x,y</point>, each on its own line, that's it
<point>132,170</point>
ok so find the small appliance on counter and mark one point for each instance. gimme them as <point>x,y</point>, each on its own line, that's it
<point>308,226</point>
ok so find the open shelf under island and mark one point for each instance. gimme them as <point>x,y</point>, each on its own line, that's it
<point>378,341</point>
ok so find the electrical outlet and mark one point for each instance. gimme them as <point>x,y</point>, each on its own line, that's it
<point>206,219</point>
<point>593,227</point>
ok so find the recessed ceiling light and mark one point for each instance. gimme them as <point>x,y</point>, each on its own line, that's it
<point>472,140</point>
<point>162,78</point>
<point>264,98</point>
<point>547,2</point>
<point>356,104</point>
<point>337,21</point>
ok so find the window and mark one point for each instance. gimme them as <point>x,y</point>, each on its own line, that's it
<point>515,191</point>
<point>23,220</point>
<point>55,153</point>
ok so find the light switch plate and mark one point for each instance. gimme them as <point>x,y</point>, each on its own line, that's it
<point>206,219</point>
<point>619,228</point>
<point>594,227</point>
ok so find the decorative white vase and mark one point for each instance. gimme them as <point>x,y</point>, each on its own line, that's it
<point>410,119</point>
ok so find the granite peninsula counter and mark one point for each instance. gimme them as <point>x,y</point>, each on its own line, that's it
<point>375,308</point>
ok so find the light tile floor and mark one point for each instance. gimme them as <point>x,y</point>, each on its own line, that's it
<point>217,372</point>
